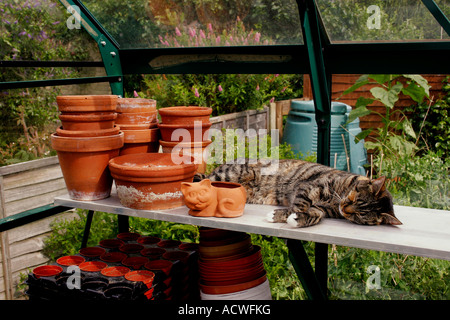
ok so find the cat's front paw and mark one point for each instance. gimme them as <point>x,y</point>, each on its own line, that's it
<point>277,215</point>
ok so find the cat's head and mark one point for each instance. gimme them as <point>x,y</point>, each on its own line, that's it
<point>198,195</point>
<point>368,202</point>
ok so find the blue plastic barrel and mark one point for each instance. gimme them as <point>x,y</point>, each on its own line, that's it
<point>301,133</point>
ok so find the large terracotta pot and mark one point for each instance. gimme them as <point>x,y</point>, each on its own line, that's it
<point>150,180</point>
<point>87,103</point>
<point>84,164</point>
<point>83,121</point>
<point>198,150</point>
<point>140,141</point>
<point>185,132</point>
<point>184,115</point>
<point>135,105</point>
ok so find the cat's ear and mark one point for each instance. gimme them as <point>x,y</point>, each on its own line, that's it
<point>205,182</point>
<point>390,219</point>
<point>379,185</point>
<point>185,186</point>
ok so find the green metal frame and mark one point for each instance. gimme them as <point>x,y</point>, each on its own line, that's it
<point>318,56</point>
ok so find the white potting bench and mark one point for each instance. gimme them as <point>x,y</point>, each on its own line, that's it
<point>425,232</point>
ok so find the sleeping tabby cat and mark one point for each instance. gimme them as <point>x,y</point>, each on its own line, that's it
<point>311,191</point>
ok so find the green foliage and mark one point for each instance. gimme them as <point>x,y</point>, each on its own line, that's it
<point>33,31</point>
<point>432,120</point>
<point>224,93</point>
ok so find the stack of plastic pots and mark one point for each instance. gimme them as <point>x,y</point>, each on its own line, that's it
<point>136,118</point>
<point>185,131</point>
<point>85,143</point>
<point>106,272</point>
<point>230,267</point>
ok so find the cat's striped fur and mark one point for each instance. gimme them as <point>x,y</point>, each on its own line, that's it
<point>311,191</point>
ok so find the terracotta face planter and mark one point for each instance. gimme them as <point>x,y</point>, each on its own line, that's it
<point>140,141</point>
<point>84,164</point>
<point>214,199</point>
<point>87,133</point>
<point>184,132</point>
<point>184,115</point>
<point>198,150</point>
<point>151,180</point>
<point>87,103</point>
<point>88,121</point>
<point>135,105</point>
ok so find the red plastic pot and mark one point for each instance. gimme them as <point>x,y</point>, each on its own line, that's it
<point>111,243</point>
<point>86,103</point>
<point>153,253</point>
<point>128,236</point>
<point>182,256</point>
<point>135,105</point>
<point>113,257</point>
<point>92,252</point>
<point>47,271</point>
<point>145,276</point>
<point>115,271</point>
<point>159,265</point>
<point>84,164</point>
<point>93,266</point>
<point>135,262</point>
<point>151,180</point>
<point>131,248</point>
<point>88,121</point>
<point>87,133</point>
<point>185,132</point>
<point>224,289</point>
<point>169,243</point>
<point>212,252</point>
<point>148,240</point>
<point>70,260</point>
<point>185,115</point>
<point>188,246</point>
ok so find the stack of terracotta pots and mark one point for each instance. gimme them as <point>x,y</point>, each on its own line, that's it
<point>230,267</point>
<point>185,130</point>
<point>137,118</point>
<point>85,143</point>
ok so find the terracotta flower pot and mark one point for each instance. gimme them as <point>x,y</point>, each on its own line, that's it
<point>135,105</point>
<point>88,121</point>
<point>184,132</point>
<point>214,199</point>
<point>136,118</point>
<point>184,115</point>
<point>87,133</point>
<point>138,126</point>
<point>84,164</point>
<point>150,180</point>
<point>140,141</point>
<point>47,271</point>
<point>198,150</point>
<point>70,260</point>
<point>86,103</point>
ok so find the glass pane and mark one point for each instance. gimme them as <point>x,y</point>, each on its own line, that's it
<point>198,23</point>
<point>380,20</point>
